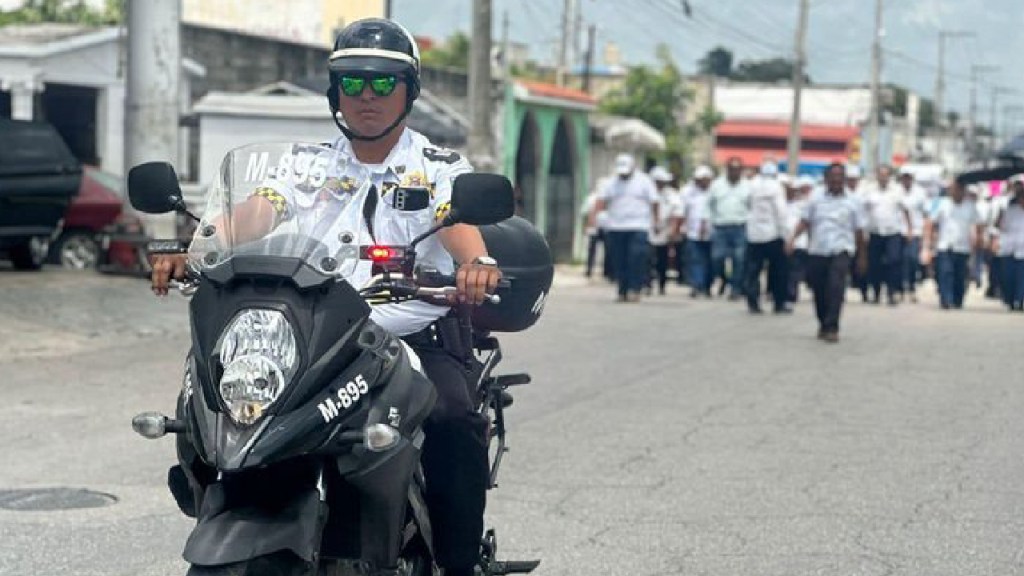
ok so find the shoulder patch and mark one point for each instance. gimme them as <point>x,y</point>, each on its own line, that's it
<point>441,155</point>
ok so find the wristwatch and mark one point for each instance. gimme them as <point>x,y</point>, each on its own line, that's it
<point>485,261</point>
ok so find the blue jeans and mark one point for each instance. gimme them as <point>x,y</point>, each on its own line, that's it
<point>951,273</point>
<point>885,264</point>
<point>698,256</point>
<point>911,263</point>
<point>630,251</point>
<point>1012,271</point>
<point>729,241</point>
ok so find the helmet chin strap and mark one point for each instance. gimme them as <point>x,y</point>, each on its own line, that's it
<point>352,135</point>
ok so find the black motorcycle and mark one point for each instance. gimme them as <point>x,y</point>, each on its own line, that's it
<point>299,423</point>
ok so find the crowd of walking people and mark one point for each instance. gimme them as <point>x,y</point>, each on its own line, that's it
<point>751,228</point>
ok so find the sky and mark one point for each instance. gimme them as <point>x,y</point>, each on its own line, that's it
<point>838,40</point>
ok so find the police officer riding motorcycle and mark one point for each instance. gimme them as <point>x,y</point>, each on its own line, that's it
<point>403,188</point>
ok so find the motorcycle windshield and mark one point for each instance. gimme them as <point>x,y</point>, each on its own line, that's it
<point>285,200</point>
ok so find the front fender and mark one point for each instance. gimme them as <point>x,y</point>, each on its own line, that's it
<point>234,533</point>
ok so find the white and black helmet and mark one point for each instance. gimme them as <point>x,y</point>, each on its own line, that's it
<point>375,46</point>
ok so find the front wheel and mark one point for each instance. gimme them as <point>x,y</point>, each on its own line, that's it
<point>277,564</point>
<point>30,254</point>
<point>76,250</point>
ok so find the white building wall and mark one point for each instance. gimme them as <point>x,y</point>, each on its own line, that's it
<point>830,106</point>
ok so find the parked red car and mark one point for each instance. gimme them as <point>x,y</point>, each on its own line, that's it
<point>101,231</point>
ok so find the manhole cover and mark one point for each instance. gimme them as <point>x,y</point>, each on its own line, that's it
<point>53,499</point>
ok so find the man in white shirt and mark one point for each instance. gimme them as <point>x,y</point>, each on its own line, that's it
<point>915,202</point>
<point>1010,246</point>
<point>632,203</point>
<point>888,222</point>
<point>728,204</point>
<point>664,230</point>
<point>835,223</point>
<point>953,229</point>
<point>766,229</point>
<point>596,233</point>
<point>696,222</point>
<point>797,197</point>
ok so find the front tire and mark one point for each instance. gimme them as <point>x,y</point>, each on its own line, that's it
<point>76,251</point>
<point>30,254</point>
<point>277,564</point>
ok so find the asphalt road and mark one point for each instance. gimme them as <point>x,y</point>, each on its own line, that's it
<point>666,437</point>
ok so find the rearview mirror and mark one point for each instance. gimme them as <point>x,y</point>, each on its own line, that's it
<point>481,199</point>
<point>153,188</point>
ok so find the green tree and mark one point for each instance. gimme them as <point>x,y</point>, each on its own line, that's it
<point>63,11</point>
<point>454,53</point>
<point>771,70</point>
<point>656,96</point>
<point>717,62</point>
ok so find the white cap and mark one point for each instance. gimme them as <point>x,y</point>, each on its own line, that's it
<point>769,169</point>
<point>702,172</point>
<point>853,171</point>
<point>624,164</point>
<point>805,180</point>
<point>660,174</point>
<point>784,179</point>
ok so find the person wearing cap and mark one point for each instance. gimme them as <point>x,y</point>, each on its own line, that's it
<point>1010,247</point>
<point>888,222</point>
<point>631,200</point>
<point>698,231</point>
<point>374,80</point>
<point>855,186</point>
<point>952,229</point>
<point>835,224</point>
<point>729,207</point>
<point>915,202</point>
<point>596,235</point>
<point>664,231</point>
<point>766,231</point>
<point>797,197</point>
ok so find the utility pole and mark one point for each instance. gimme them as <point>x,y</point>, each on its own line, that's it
<point>387,9</point>
<point>994,113</point>
<point>151,100</point>
<point>876,73</point>
<point>506,49</point>
<point>481,139</point>
<point>568,10</point>
<point>589,62</point>
<point>800,59</point>
<point>940,88</point>
<point>972,118</point>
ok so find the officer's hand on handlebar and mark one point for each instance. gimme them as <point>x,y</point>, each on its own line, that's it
<point>474,281</point>
<point>166,267</point>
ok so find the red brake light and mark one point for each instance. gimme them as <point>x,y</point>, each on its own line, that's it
<point>381,253</point>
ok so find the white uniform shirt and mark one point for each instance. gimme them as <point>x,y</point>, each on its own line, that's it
<point>629,202</point>
<point>668,208</point>
<point>1011,232</point>
<point>767,218</point>
<point>696,212</point>
<point>916,203</point>
<point>600,219</point>
<point>955,222</point>
<point>833,223</point>
<point>414,161</point>
<point>728,203</point>
<point>794,213</point>
<point>884,209</point>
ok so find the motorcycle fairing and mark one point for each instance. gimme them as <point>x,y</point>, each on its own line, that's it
<point>250,516</point>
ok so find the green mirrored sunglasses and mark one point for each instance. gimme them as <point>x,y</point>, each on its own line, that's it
<point>381,85</point>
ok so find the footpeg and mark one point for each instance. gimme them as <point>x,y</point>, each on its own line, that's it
<point>499,568</point>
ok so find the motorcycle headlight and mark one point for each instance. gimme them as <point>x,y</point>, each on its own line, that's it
<point>258,353</point>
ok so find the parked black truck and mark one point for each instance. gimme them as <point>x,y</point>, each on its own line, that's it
<point>38,178</point>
